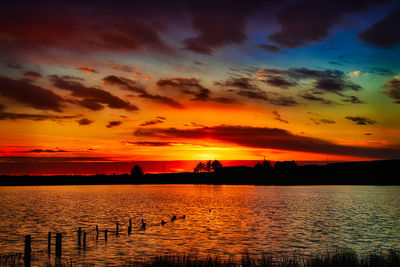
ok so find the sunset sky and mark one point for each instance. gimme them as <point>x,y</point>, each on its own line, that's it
<point>101,81</point>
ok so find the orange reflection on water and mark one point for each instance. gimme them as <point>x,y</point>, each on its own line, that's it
<point>221,220</point>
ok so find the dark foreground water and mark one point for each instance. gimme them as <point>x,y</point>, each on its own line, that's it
<point>222,220</point>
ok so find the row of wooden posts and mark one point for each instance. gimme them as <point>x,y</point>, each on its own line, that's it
<point>28,249</point>
<point>81,241</point>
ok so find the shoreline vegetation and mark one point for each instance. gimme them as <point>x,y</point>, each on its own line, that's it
<point>340,257</point>
<point>380,172</point>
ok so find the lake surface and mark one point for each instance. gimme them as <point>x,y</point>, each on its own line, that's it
<point>223,220</point>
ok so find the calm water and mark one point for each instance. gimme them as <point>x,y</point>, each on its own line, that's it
<point>257,218</point>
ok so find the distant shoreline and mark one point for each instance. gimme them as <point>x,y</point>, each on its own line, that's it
<point>349,173</point>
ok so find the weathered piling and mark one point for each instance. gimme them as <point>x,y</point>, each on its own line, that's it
<point>130,227</point>
<point>143,227</point>
<point>105,234</point>
<point>97,232</point>
<point>116,228</point>
<point>84,239</point>
<point>27,255</point>
<point>49,243</point>
<point>58,244</point>
<point>79,236</point>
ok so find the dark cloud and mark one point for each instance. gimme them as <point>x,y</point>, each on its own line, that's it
<point>337,85</point>
<point>163,100</point>
<point>225,100</point>
<point>268,138</point>
<point>385,33</point>
<point>361,120</point>
<point>198,62</point>
<point>333,81</point>
<point>393,91</point>
<point>244,86</point>
<point>277,117</point>
<point>37,159</point>
<point>30,94</point>
<point>301,73</point>
<point>147,143</point>
<point>286,101</point>
<point>252,94</point>
<point>243,83</point>
<point>279,82</point>
<point>219,23</point>
<point>67,25</point>
<point>126,26</point>
<point>158,120</point>
<point>90,104</point>
<point>124,68</point>
<point>84,121</point>
<point>352,99</point>
<point>111,124</point>
<point>312,97</point>
<point>322,121</point>
<point>270,48</point>
<point>189,86</point>
<point>87,69</point>
<point>38,150</point>
<point>32,74</point>
<point>124,83</point>
<point>368,134</point>
<point>129,26</point>
<point>91,94</point>
<point>34,117</point>
<point>306,21</point>
<point>134,86</point>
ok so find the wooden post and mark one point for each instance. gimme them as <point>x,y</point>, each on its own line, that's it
<point>105,234</point>
<point>117,228</point>
<point>97,232</point>
<point>79,236</point>
<point>49,243</point>
<point>27,256</point>
<point>84,239</point>
<point>130,227</point>
<point>58,244</point>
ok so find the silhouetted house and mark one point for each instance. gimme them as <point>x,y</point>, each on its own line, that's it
<point>136,171</point>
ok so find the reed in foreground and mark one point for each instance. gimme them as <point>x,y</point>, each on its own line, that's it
<point>341,257</point>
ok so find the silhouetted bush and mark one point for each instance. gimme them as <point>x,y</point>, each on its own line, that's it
<point>285,164</point>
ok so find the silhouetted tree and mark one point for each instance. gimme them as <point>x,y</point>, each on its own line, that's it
<point>136,171</point>
<point>216,165</point>
<point>258,166</point>
<point>208,166</point>
<point>266,163</point>
<point>200,167</point>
